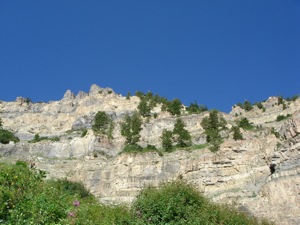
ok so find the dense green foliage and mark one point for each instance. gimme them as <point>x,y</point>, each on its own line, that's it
<point>103,124</point>
<point>212,125</point>
<point>26,198</point>
<point>174,107</point>
<point>195,108</point>
<point>178,203</point>
<point>247,106</point>
<point>166,139</point>
<point>182,136</point>
<point>131,128</point>
<point>144,108</point>
<point>245,124</point>
<point>149,101</point>
<point>6,136</point>
<point>179,135</point>
<point>282,117</point>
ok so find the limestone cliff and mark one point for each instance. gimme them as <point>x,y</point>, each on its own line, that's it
<point>260,174</point>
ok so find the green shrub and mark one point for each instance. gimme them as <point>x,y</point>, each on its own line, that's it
<point>70,187</point>
<point>166,139</point>
<point>37,138</point>
<point>26,198</point>
<point>174,107</point>
<point>7,136</point>
<point>195,108</point>
<point>237,135</point>
<point>247,106</point>
<point>84,132</point>
<point>102,123</point>
<point>128,95</point>
<point>294,98</point>
<point>282,117</point>
<point>273,131</point>
<point>179,203</point>
<point>144,108</point>
<point>245,124</point>
<point>259,105</point>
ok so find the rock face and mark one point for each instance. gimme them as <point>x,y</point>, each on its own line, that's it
<point>261,174</point>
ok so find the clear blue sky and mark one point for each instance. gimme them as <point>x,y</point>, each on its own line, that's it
<point>217,52</point>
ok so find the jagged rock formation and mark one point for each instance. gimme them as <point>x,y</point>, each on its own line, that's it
<point>261,173</point>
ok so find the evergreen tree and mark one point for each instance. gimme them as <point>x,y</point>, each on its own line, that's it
<point>174,107</point>
<point>245,124</point>
<point>166,139</point>
<point>212,125</point>
<point>102,122</point>
<point>183,136</point>
<point>131,128</point>
<point>248,106</point>
<point>195,108</point>
<point>144,108</point>
<point>237,135</point>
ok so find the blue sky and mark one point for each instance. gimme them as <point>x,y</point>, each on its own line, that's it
<point>215,52</point>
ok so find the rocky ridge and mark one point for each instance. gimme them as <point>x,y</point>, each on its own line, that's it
<point>260,174</point>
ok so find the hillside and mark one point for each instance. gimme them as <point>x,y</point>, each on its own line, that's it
<point>259,172</point>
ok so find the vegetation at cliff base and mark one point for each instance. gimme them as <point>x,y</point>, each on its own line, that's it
<point>26,198</point>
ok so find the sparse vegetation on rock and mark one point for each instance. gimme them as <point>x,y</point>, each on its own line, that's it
<point>237,135</point>
<point>245,124</point>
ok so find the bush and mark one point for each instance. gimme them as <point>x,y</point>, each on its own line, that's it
<point>144,108</point>
<point>171,203</point>
<point>180,203</point>
<point>84,132</point>
<point>282,117</point>
<point>245,124</point>
<point>195,108</point>
<point>102,123</point>
<point>237,135</point>
<point>7,136</point>
<point>174,107</point>
<point>37,138</point>
<point>247,106</point>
